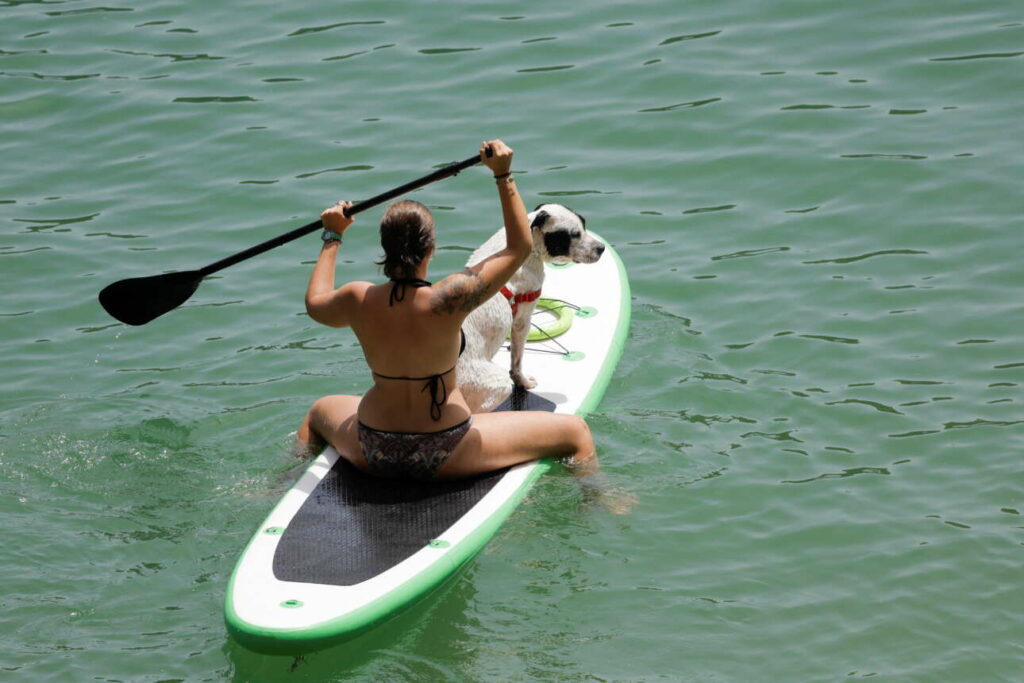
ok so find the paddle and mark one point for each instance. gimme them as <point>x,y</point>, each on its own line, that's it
<point>138,300</point>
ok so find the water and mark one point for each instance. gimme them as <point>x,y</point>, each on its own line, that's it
<point>819,409</point>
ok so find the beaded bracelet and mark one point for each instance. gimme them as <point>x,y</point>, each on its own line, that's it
<point>503,175</point>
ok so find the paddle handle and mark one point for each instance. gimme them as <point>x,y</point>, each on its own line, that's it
<point>447,171</point>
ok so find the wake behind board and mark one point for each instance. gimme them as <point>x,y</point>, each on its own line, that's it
<point>343,551</point>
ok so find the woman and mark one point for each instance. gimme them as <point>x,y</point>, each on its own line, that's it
<point>414,421</point>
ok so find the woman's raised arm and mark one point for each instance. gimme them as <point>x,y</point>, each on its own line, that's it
<point>464,291</point>
<point>324,303</point>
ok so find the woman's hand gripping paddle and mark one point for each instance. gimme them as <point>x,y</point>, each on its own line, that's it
<point>138,300</point>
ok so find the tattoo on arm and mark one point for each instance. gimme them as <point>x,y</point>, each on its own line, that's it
<point>459,293</point>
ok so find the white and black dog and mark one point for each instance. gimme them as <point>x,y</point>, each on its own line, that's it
<point>559,236</point>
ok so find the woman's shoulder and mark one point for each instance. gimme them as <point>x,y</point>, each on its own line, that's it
<point>338,308</point>
<point>460,292</point>
<point>358,287</point>
<point>353,295</point>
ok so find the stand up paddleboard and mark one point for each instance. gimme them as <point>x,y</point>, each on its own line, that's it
<point>343,551</point>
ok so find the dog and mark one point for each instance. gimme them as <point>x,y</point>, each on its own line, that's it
<point>559,236</point>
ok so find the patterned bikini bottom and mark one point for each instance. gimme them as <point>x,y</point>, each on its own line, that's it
<point>412,455</point>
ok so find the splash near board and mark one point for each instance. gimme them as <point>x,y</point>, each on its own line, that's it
<point>343,551</point>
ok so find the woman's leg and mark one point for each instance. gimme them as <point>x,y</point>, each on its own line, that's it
<point>332,420</point>
<point>498,440</point>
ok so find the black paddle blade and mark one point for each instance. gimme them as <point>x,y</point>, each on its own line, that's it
<point>138,300</point>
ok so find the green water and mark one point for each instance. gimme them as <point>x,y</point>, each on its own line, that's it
<point>819,410</point>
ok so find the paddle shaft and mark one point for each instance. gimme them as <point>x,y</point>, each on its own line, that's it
<point>449,170</point>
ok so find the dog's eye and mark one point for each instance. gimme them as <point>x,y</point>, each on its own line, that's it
<point>576,233</point>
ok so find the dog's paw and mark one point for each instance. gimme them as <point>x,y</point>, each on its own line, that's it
<point>523,381</point>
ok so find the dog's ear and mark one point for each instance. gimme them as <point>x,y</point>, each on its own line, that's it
<point>582,219</point>
<point>537,207</point>
<point>540,218</point>
<point>557,243</point>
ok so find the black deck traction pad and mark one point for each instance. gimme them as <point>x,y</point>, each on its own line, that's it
<point>354,526</point>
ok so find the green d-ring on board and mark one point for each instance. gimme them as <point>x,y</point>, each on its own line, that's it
<point>552,328</point>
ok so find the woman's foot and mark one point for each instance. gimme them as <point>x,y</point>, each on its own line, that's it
<point>594,484</point>
<point>616,501</point>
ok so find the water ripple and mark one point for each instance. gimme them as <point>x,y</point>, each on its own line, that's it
<point>46,224</point>
<point>816,107</point>
<point>6,251</point>
<point>12,53</point>
<point>982,423</point>
<point>850,472</point>
<point>691,36</point>
<point>987,55</point>
<point>828,338</point>
<point>541,69</point>
<point>864,257</point>
<point>215,99</point>
<point>48,77</point>
<point>87,10</point>
<point>773,436</point>
<point>115,235</point>
<point>338,58</point>
<point>169,55</point>
<point>880,407</point>
<point>448,50</point>
<point>330,27</point>
<point>890,157</point>
<point>339,169</point>
<point>710,209</point>
<point>682,105</point>
<point>571,193</point>
<point>746,253</point>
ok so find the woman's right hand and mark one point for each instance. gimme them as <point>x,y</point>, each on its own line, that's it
<point>334,218</point>
<point>501,160</point>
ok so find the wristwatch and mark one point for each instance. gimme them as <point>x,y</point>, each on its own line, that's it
<point>330,236</point>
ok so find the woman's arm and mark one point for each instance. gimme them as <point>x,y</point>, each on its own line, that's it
<point>324,303</point>
<point>519,242</point>
<point>464,291</point>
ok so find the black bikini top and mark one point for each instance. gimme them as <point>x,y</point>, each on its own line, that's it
<point>434,383</point>
<point>399,284</point>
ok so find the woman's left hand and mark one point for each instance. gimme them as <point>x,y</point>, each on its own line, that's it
<point>334,218</point>
<point>500,160</point>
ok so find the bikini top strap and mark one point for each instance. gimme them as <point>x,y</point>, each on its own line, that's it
<point>433,383</point>
<point>398,286</point>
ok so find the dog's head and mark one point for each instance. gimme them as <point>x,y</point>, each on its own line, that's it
<point>560,236</point>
